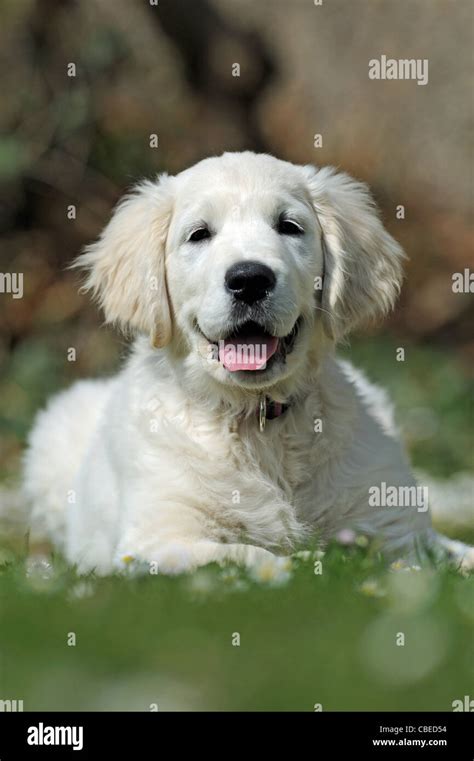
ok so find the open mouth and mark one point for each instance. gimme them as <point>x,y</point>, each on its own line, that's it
<point>252,348</point>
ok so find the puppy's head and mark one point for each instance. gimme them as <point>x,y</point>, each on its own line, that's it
<point>244,267</point>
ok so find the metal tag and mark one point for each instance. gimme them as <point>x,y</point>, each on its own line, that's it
<point>262,413</point>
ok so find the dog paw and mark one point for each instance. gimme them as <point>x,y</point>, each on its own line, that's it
<point>459,554</point>
<point>178,557</point>
<point>467,561</point>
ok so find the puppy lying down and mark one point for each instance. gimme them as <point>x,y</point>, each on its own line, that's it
<point>232,431</point>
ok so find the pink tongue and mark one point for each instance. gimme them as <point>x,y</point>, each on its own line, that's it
<point>250,353</point>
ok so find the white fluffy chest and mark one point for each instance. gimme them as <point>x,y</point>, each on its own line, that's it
<point>244,481</point>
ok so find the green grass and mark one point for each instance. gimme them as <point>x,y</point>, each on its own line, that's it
<point>432,393</point>
<point>326,638</point>
<point>311,639</point>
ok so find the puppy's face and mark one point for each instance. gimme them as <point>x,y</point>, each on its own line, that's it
<point>243,267</point>
<point>242,254</point>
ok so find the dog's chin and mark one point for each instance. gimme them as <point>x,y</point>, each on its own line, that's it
<point>278,367</point>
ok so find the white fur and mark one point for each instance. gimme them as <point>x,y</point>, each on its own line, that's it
<point>165,462</point>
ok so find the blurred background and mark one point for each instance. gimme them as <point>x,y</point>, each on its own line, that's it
<point>69,147</point>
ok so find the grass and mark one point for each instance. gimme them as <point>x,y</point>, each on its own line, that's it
<point>432,393</point>
<point>305,638</point>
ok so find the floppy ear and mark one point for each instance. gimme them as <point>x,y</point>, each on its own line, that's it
<point>363,263</point>
<point>126,266</point>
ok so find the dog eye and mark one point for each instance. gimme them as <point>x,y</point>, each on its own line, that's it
<point>288,227</point>
<point>200,234</point>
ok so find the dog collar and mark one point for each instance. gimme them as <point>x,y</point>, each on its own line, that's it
<point>268,410</point>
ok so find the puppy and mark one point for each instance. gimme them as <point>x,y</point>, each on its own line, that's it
<point>232,432</point>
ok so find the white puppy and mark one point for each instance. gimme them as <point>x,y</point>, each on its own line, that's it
<point>232,430</point>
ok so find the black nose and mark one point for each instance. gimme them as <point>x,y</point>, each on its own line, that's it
<point>249,281</point>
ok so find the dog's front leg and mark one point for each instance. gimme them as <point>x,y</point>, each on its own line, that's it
<point>172,539</point>
<point>182,556</point>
